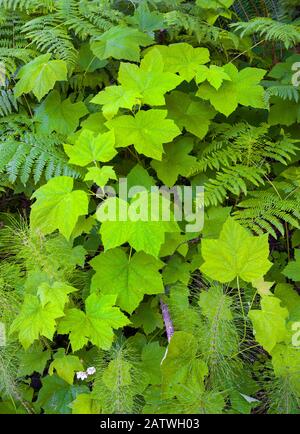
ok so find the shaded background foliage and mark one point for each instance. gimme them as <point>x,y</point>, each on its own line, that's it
<point>231,351</point>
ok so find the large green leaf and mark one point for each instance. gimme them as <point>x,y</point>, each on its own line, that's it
<point>129,278</point>
<point>33,360</point>
<point>147,131</point>
<point>183,58</point>
<point>152,356</point>
<point>176,270</point>
<point>235,254</point>
<point>286,360</point>
<point>35,319</point>
<point>284,112</point>
<point>290,299</point>
<point>96,324</point>
<point>56,294</point>
<point>148,316</point>
<point>215,75</point>
<point>58,206</point>
<point>114,97</point>
<point>85,404</point>
<point>147,20</point>
<point>244,89</point>
<point>181,368</point>
<point>269,323</point>
<point>56,395</point>
<point>292,270</point>
<point>190,113</point>
<point>214,4</point>
<point>149,80</point>
<point>120,42</point>
<point>65,365</point>
<point>90,148</point>
<point>145,234</point>
<point>139,176</point>
<point>40,76</point>
<point>176,161</point>
<point>57,115</point>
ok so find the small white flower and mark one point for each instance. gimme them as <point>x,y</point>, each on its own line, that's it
<point>81,375</point>
<point>91,370</point>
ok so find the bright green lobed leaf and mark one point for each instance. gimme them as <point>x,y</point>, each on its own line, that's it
<point>147,131</point>
<point>183,58</point>
<point>190,113</point>
<point>120,42</point>
<point>235,254</point>
<point>35,319</point>
<point>96,324</point>
<point>292,270</point>
<point>269,323</point>
<point>149,80</point>
<point>58,206</point>
<point>65,366</point>
<point>129,278</point>
<point>91,148</point>
<point>40,76</point>
<point>133,223</point>
<point>176,161</point>
<point>57,115</point>
<point>100,175</point>
<point>244,88</point>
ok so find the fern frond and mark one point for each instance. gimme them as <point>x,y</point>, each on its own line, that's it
<point>247,10</point>
<point>11,58</point>
<point>231,180</point>
<point>266,212</point>
<point>8,103</point>
<point>214,156</point>
<point>11,23</point>
<point>28,6</point>
<point>17,4</point>
<point>271,30</point>
<point>240,155</point>
<point>193,26</point>
<point>88,18</point>
<point>246,144</point>
<point>14,122</point>
<point>49,35</point>
<point>34,155</point>
<point>283,91</point>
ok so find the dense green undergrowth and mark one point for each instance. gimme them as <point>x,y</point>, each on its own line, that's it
<point>101,316</point>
